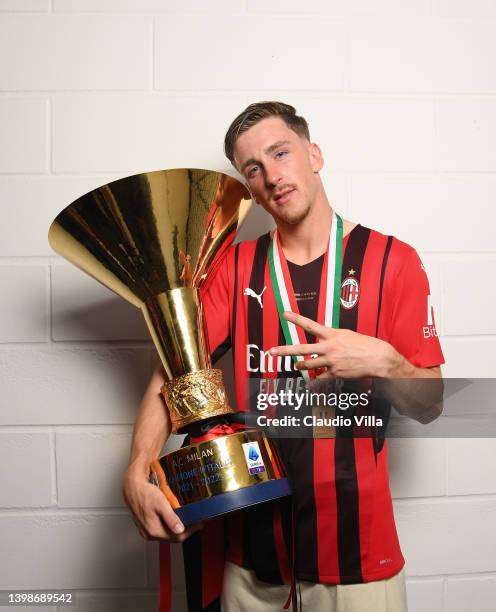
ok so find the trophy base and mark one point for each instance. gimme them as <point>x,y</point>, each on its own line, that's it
<point>221,474</point>
<point>223,503</point>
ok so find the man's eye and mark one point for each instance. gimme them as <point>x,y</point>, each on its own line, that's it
<point>252,171</point>
<point>280,154</point>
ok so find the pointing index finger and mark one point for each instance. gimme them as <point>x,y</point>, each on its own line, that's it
<point>314,328</point>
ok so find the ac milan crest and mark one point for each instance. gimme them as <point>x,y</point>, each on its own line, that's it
<point>350,291</point>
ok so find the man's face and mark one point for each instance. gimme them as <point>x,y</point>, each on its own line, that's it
<point>279,168</point>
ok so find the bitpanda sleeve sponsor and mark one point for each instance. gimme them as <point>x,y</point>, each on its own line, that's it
<point>412,327</point>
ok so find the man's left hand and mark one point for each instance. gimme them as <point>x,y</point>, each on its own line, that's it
<point>344,353</point>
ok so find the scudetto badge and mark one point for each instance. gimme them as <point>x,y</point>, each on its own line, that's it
<point>350,292</point>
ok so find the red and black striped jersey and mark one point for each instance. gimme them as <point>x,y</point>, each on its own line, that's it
<point>351,535</point>
<point>342,515</point>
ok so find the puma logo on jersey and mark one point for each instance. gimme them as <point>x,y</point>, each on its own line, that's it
<point>250,293</point>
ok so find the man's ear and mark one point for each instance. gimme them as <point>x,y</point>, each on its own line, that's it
<point>316,158</point>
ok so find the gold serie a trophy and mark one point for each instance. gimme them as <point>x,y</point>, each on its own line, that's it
<point>154,239</point>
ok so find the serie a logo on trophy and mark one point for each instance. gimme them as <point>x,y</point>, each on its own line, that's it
<point>154,239</point>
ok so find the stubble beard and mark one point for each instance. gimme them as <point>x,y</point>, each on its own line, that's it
<point>294,218</point>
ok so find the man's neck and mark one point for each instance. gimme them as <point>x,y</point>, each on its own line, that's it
<point>306,241</point>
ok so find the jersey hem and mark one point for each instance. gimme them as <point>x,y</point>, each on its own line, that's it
<point>392,570</point>
<point>371,576</point>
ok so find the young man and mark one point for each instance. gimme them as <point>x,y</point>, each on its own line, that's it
<point>360,308</point>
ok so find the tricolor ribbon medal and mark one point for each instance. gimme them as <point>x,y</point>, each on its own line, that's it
<point>329,294</point>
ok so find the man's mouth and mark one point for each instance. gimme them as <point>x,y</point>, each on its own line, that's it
<point>282,196</point>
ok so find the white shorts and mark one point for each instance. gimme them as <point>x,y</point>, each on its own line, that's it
<point>242,592</point>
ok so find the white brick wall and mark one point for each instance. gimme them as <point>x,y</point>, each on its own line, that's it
<point>24,6</point>
<point>29,482</point>
<point>400,94</point>
<point>405,56</point>
<point>35,199</point>
<point>22,121</point>
<point>71,550</point>
<point>73,52</point>
<point>368,133</point>
<point>135,131</point>
<point>463,311</point>
<point>425,595</point>
<point>81,481</point>
<point>24,315</point>
<point>456,531</point>
<point>471,121</point>
<point>229,66</point>
<point>464,8</point>
<point>425,463</point>
<point>85,310</point>
<point>478,593</point>
<point>336,7</point>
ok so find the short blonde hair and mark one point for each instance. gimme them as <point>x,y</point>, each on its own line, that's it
<point>261,110</point>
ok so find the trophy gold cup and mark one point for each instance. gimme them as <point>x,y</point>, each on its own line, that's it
<point>154,239</point>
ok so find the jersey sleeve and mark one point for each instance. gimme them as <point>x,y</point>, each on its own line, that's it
<point>412,326</point>
<point>215,299</point>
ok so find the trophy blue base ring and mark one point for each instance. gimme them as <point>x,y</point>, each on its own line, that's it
<point>220,475</point>
<point>223,503</point>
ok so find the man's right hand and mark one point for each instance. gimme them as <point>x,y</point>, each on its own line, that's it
<point>152,513</point>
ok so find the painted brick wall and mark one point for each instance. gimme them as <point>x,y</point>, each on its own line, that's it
<point>401,95</point>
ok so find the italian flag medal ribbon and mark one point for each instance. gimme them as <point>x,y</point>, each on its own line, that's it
<point>330,287</point>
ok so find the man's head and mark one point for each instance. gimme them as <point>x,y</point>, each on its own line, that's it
<point>269,144</point>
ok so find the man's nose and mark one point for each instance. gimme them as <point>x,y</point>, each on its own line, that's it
<point>273,175</point>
